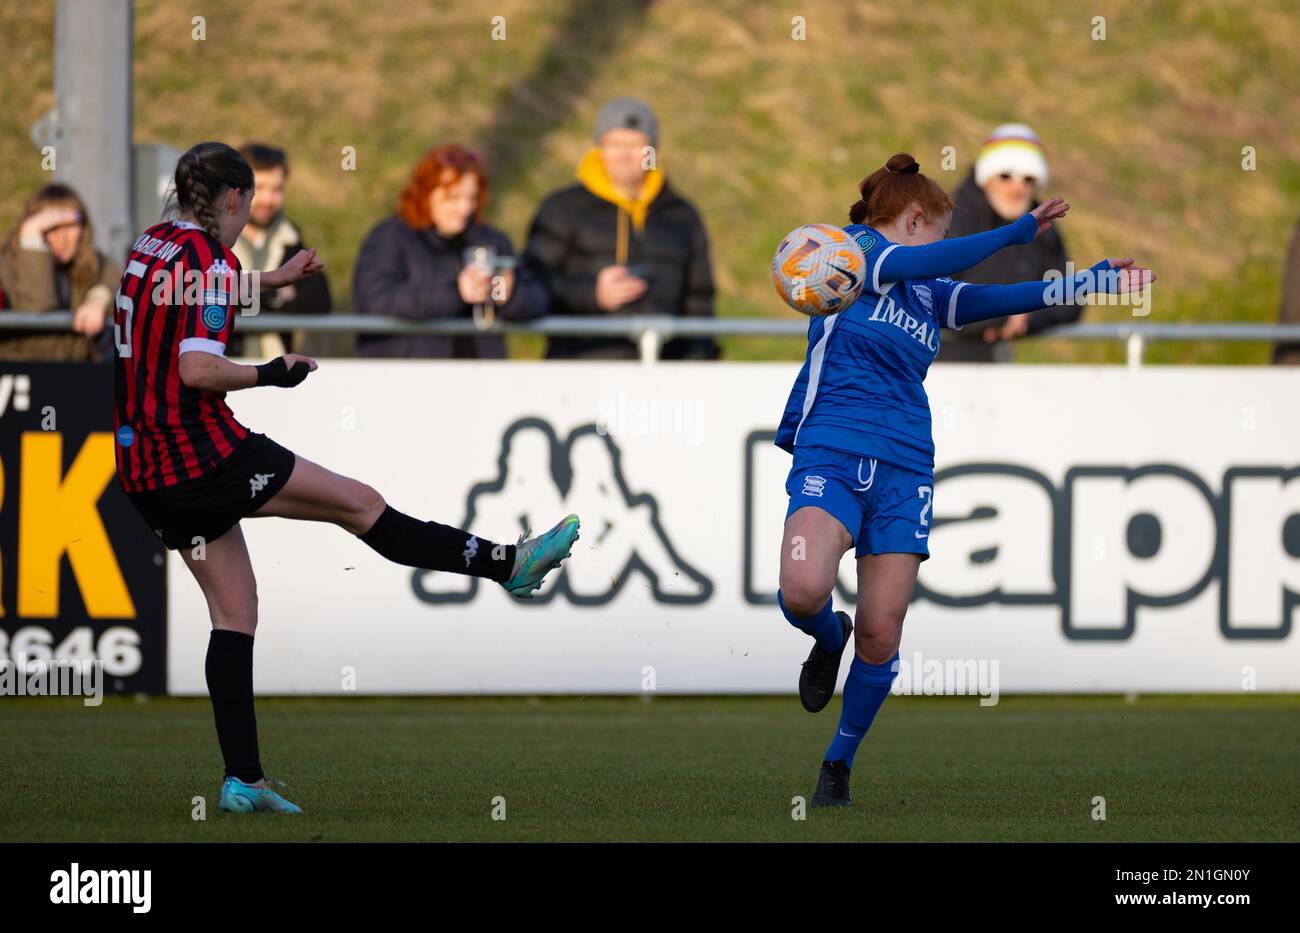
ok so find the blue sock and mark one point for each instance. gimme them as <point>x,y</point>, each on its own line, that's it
<point>865,690</point>
<point>824,626</point>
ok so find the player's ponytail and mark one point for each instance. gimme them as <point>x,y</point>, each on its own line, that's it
<point>203,174</point>
<point>890,189</point>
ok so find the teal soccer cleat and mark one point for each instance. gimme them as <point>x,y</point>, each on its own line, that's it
<point>238,797</point>
<point>537,557</point>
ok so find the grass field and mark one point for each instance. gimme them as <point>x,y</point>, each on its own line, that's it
<point>1170,768</point>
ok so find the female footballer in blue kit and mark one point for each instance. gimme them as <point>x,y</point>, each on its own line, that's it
<point>858,424</point>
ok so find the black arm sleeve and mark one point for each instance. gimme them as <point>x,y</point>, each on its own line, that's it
<point>545,257</point>
<point>529,298</point>
<point>698,298</point>
<point>386,283</point>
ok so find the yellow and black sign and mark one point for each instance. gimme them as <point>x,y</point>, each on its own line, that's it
<point>83,577</point>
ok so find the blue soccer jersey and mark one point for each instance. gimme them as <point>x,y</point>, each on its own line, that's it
<point>861,389</point>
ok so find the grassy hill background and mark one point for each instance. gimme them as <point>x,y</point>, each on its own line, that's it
<point>1144,130</point>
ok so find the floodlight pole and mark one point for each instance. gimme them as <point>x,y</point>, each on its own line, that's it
<point>90,126</point>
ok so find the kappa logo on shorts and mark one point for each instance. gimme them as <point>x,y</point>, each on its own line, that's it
<point>257,482</point>
<point>814,486</point>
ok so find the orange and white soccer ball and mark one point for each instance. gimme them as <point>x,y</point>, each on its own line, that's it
<point>818,269</point>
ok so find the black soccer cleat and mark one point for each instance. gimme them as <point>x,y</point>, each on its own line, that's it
<point>819,673</point>
<point>832,786</point>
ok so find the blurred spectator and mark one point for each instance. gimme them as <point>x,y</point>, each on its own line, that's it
<point>1009,173</point>
<point>1289,312</point>
<point>436,259</point>
<point>49,263</point>
<point>622,241</point>
<point>269,241</point>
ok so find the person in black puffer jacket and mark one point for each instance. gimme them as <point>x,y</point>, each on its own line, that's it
<point>622,241</point>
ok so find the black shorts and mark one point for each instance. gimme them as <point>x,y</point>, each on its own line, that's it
<point>212,504</point>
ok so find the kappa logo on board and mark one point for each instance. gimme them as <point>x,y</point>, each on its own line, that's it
<point>1103,545</point>
<point>540,479</point>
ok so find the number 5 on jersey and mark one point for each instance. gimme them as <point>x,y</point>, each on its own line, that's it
<point>126,313</point>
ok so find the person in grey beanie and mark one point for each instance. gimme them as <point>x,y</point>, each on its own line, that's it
<point>621,241</point>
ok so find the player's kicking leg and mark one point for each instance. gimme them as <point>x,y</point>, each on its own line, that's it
<point>314,493</point>
<point>259,797</point>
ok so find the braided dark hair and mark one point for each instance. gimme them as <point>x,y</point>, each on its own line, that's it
<point>203,174</point>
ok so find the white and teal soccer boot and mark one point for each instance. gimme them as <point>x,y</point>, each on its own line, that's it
<point>238,797</point>
<point>537,557</point>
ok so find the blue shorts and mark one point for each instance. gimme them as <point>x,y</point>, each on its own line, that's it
<point>886,508</point>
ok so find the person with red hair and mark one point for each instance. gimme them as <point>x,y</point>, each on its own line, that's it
<point>861,393</point>
<point>435,258</point>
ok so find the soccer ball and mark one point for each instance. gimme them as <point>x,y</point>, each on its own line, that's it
<point>818,269</point>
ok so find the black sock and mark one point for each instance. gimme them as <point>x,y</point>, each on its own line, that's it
<point>229,672</point>
<point>430,546</point>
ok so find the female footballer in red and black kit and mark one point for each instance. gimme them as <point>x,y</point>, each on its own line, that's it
<point>193,471</point>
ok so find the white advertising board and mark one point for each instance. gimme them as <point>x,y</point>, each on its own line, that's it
<point>1094,529</point>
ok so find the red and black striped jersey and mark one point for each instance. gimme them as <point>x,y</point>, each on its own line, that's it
<point>178,295</point>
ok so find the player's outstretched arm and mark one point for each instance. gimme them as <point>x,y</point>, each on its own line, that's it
<point>200,370</point>
<point>968,303</point>
<point>302,264</point>
<point>948,257</point>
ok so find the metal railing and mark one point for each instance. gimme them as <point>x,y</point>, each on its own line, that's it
<point>652,331</point>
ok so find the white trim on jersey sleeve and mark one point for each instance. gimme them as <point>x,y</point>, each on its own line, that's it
<point>952,305</point>
<point>875,270</point>
<point>814,373</point>
<point>202,345</point>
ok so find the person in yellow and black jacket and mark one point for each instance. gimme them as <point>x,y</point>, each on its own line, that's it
<point>622,241</point>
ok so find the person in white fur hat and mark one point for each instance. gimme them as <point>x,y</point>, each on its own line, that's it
<point>1010,171</point>
<point>1011,167</point>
